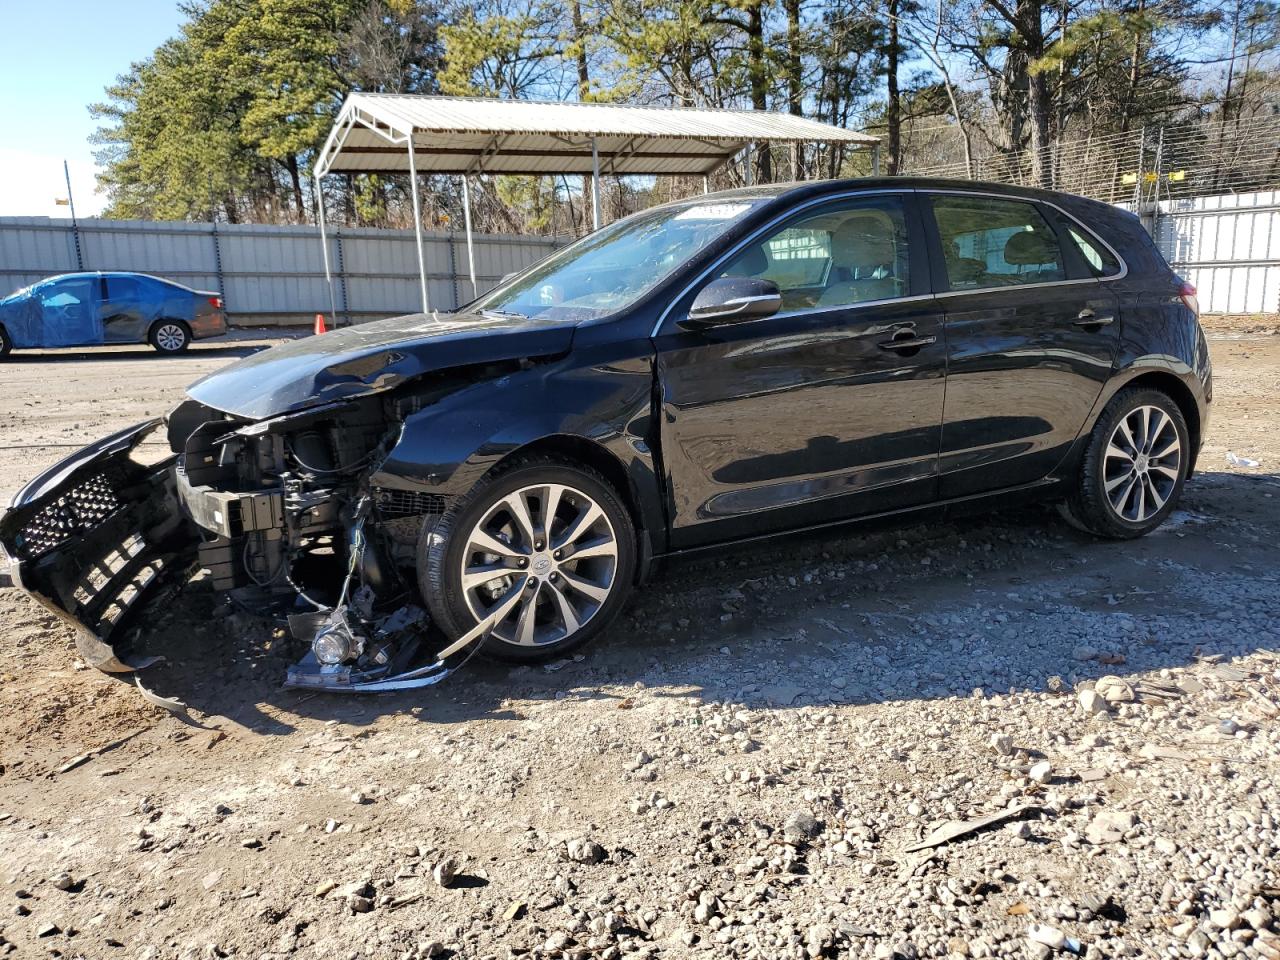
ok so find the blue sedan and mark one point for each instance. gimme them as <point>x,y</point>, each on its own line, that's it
<point>87,309</point>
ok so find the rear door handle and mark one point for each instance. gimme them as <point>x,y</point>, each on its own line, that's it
<point>1087,318</point>
<point>908,343</point>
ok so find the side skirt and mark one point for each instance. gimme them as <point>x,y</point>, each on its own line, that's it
<point>959,506</point>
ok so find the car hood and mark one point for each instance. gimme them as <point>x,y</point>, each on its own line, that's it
<point>370,358</point>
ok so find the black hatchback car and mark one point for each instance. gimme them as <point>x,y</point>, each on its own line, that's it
<point>720,369</point>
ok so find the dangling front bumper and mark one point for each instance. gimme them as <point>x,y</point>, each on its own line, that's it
<point>98,535</point>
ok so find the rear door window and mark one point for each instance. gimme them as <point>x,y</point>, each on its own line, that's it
<point>995,242</point>
<point>124,289</point>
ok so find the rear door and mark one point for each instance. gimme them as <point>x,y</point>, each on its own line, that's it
<point>126,310</point>
<point>829,409</point>
<point>1031,337</point>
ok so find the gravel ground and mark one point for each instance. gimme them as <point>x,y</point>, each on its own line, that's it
<point>990,737</point>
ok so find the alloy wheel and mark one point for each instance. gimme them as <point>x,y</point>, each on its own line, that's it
<point>1142,464</point>
<point>548,554</point>
<point>170,336</point>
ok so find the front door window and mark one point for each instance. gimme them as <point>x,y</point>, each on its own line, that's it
<point>843,255</point>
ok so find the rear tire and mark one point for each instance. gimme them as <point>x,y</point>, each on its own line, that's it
<point>169,336</point>
<point>563,580</point>
<point>6,344</point>
<point>1134,467</point>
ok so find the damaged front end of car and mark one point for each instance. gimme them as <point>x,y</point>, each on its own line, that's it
<point>302,479</point>
<point>98,536</point>
<point>280,513</point>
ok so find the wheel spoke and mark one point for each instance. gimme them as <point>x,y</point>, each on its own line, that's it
<point>1153,493</point>
<point>1115,453</point>
<point>1128,436</point>
<point>519,510</point>
<point>1112,484</point>
<point>527,621</point>
<point>1140,506</point>
<point>585,587</point>
<point>487,543</point>
<point>568,615</point>
<point>1144,414</point>
<point>1156,429</point>
<point>604,547</point>
<point>1172,447</point>
<point>550,504</point>
<point>1170,472</point>
<point>1119,501</point>
<point>581,524</point>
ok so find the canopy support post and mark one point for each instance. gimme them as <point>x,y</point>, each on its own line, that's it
<point>875,159</point>
<point>324,249</point>
<point>595,186</point>
<point>748,162</point>
<point>417,226</point>
<point>466,219</point>
<point>706,184</point>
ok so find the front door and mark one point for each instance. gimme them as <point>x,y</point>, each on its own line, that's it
<point>69,312</point>
<point>829,409</point>
<point>1031,337</point>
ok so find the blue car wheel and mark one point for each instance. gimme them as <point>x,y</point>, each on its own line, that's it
<point>170,336</point>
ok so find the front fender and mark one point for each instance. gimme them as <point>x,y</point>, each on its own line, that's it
<point>446,447</point>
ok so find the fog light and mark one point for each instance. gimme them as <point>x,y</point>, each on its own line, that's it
<point>333,644</point>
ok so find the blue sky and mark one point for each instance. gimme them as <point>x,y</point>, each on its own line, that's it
<point>58,57</point>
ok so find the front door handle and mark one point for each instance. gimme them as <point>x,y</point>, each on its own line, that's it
<point>1087,318</point>
<point>907,343</point>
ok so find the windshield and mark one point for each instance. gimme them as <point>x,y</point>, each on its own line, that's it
<point>612,268</point>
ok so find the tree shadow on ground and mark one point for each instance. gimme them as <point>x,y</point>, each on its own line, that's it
<point>1004,601</point>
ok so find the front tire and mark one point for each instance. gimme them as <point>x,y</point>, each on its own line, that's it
<point>170,336</point>
<point>1134,467</point>
<point>547,544</point>
<point>6,344</point>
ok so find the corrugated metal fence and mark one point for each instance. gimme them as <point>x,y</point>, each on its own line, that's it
<point>1228,246</point>
<point>267,274</point>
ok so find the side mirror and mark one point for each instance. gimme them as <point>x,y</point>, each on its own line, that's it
<point>733,300</point>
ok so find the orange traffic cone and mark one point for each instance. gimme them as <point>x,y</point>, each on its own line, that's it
<point>320,328</point>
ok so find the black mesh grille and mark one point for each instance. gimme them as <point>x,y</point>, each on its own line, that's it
<point>73,514</point>
<point>406,503</point>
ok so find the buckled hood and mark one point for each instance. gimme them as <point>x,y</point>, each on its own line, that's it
<point>370,358</point>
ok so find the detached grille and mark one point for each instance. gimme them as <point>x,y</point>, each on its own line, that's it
<point>86,506</point>
<point>395,504</point>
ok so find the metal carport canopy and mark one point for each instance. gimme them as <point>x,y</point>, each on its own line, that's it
<point>412,134</point>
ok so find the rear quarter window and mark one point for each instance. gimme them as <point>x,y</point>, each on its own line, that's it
<point>1100,261</point>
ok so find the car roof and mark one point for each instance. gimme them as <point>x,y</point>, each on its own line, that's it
<point>118,274</point>
<point>818,187</point>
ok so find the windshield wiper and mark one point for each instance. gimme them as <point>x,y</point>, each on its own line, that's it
<point>503,314</point>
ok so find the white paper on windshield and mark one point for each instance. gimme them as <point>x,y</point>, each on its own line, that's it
<point>713,211</point>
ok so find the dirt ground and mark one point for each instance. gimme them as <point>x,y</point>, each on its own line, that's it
<point>738,769</point>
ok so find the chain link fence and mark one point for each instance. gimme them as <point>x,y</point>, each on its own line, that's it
<point>1138,166</point>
